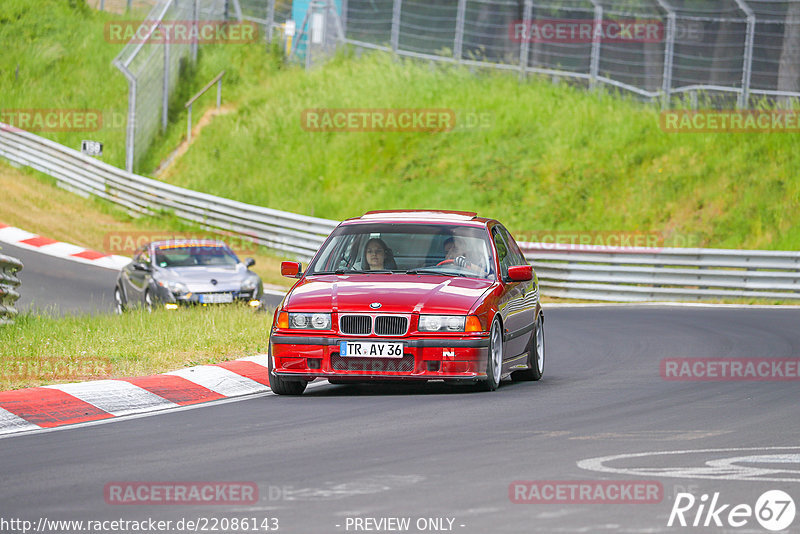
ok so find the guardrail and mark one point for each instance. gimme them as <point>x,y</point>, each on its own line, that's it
<point>583,272</point>
<point>297,234</point>
<point>647,274</point>
<point>9,267</point>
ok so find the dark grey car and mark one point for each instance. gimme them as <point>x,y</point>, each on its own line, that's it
<point>173,273</point>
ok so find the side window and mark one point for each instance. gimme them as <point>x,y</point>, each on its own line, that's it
<point>503,254</point>
<point>137,257</point>
<point>144,257</point>
<point>518,258</point>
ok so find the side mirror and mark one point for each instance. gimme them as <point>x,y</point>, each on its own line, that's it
<point>140,266</point>
<point>291,269</point>
<point>520,273</point>
<point>249,262</point>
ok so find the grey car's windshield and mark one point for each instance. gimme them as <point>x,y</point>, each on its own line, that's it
<point>192,256</point>
<point>421,249</point>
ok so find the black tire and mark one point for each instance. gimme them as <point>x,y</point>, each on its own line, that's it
<point>494,361</point>
<point>119,305</point>
<point>535,354</point>
<point>282,386</point>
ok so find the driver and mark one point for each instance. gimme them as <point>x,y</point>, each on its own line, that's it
<point>454,252</point>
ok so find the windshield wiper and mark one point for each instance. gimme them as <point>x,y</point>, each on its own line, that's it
<point>424,270</point>
<point>352,271</point>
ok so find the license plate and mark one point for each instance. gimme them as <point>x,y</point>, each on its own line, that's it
<point>368,349</point>
<point>216,298</point>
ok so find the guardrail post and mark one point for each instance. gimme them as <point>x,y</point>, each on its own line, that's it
<point>594,67</point>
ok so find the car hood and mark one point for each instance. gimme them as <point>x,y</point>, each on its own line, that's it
<point>199,279</point>
<point>397,293</point>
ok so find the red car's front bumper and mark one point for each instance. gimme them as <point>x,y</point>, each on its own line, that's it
<point>309,357</point>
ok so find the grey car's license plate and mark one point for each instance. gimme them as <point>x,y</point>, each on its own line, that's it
<point>216,298</point>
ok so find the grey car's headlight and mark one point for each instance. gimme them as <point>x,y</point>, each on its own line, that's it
<point>250,283</point>
<point>442,323</point>
<point>177,288</point>
<point>313,321</point>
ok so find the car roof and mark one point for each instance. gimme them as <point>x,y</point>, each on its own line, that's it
<point>449,216</point>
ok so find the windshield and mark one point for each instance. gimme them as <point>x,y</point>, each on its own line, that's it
<point>408,248</point>
<point>192,256</point>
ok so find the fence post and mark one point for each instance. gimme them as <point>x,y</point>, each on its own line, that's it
<point>747,66</point>
<point>525,45</point>
<point>102,5</point>
<point>458,44</point>
<point>396,9</point>
<point>270,19</point>
<point>596,41</point>
<point>195,21</point>
<point>130,133</point>
<point>669,54</point>
<point>165,95</point>
<point>128,7</point>
<point>343,18</point>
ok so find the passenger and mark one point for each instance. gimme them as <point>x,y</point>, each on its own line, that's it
<point>377,256</point>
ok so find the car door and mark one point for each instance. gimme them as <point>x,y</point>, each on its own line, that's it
<point>515,302</point>
<point>138,278</point>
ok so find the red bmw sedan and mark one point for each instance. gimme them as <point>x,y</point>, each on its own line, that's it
<point>410,295</point>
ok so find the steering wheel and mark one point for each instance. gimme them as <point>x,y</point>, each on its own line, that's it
<point>444,262</point>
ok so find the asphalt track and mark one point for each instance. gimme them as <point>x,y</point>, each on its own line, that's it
<point>344,452</point>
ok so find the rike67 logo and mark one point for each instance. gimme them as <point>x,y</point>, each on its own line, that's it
<point>774,510</point>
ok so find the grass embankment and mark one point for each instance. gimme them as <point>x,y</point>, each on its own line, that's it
<point>38,350</point>
<point>550,157</point>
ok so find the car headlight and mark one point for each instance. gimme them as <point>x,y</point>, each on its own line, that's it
<point>442,323</point>
<point>312,321</point>
<point>250,283</point>
<point>177,288</point>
